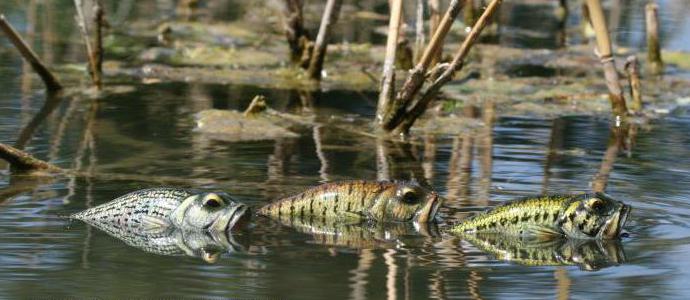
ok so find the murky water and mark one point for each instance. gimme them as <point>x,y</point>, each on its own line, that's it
<point>147,134</point>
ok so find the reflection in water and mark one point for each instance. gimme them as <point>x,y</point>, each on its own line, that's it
<point>206,245</point>
<point>620,139</point>
<point>589,255</point>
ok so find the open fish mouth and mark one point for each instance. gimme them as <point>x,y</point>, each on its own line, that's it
<point>429,211</point>
<point>239,218</point>
<point>614,225</point>
<point>232,218</point>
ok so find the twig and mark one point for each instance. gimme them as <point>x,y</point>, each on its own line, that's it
<point>653,49</point>
<point>616,96</point>
<point>388,76</point>
<point>84,30</point>
<point>22,161</point>
<point>415,79</point>
<point>51,82</point>
<point>294,29</point>
<point>257,105</point>
<point>419,31</point>
<point>455,65</point>
<point>631,68</point>
<point>98,20</point>
<point>330,17</point>
<point>434,22</point>
<point>27,132</point>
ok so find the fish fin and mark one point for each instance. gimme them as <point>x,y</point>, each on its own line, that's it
<point>543,233</point>
<point>153,224</point>
<point>349,218</point>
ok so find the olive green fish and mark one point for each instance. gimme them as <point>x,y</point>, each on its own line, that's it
<point>159,209</point>
<point>356,201</point>
<point>589,255</point>
<point>584,216</point>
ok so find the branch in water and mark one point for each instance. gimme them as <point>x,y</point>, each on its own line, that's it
<point>20,160</point>
<point>51,82</point>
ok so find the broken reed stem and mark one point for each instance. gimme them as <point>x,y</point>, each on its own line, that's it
<point>98,20</point>
<point>455,65</point>
<point>470,13</point>
<point>596,14</point>
<point>434,22</point>
<point>330,17</point>
<point>257,105</point>
<point>419,31</point>
<point>84,30</point>
<point>293,25</point>
<point>388,76</point>
<point>632,69</point>
<point>415,80</point>
<point>22,161</point>
<point>656,65</point>
<point>51,82</point>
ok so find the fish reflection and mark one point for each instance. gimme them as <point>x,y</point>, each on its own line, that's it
<point>361,235</point>
<point>207,245</point>
<point>589,255</point>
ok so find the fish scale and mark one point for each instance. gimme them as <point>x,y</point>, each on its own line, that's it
<point>517,215</point>
<point>127,211</point>
<point>328,200</point>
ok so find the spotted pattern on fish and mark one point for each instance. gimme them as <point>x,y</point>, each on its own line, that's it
<point>358,200</point>
<point>128,211</point>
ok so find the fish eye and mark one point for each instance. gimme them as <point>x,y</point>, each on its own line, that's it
<point>409,195</point>
<point>212,201</point>
<point>595,204</point>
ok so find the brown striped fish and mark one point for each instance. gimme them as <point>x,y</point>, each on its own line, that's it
<point>356,201</point>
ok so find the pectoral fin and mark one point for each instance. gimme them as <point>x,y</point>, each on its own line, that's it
<point>153,224</point>
<point>543,232</point>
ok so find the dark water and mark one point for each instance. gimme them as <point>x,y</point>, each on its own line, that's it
<point>148,134</point>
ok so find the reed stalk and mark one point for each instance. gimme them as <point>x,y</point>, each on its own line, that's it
<point>632,69</point>
<point>330,17</point>
<point>616,97</point>
<point>656,65</point>
<point>388,76</point>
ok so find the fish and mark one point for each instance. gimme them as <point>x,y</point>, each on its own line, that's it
<point>156,210</point>
<point>357,201</point>
<point>580,216</point>
<point>588,255</point>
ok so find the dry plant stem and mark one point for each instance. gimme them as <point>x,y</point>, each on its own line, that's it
<point>419,31</point>
<point>51,82</point>
<point>98,50</point>
<point>616,96</point>
<point>455,65</point>
<point>83,29</point>
<point>22,161</point>
<point>653,49</point>
<point>294,28</point>
<point>632,69</point>
<point>434,22</point>
<point>416,78</point>
<point>330,17</point>
<point>388,76</point>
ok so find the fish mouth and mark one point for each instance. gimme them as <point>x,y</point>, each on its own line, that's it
<point>429,211</point>
<point>233,219</point>
<point>613,226</point>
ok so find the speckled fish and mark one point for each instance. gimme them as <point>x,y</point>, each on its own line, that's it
<point>584,216</point>
<point>359,200</point>
<point>589,255</point>
<point>159,209</point>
